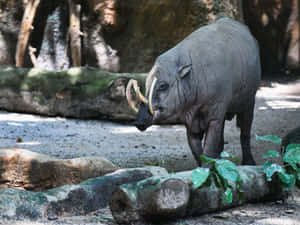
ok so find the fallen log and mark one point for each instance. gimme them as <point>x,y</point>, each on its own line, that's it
<point>69,200</point>
<point>81,92</point>
<point>154,198</point>
<point>160,198</point>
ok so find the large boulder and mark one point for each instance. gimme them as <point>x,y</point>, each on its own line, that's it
<point>28,170</point>
<point>275,24</point>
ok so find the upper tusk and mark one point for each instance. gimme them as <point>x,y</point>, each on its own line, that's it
<point>139,95</point>
<point>128,95</point>
<point>151,94</point>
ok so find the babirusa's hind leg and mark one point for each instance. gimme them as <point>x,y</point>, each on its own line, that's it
<point>244,121</point>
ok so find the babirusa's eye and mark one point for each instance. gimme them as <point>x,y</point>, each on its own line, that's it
<point>163,86</point>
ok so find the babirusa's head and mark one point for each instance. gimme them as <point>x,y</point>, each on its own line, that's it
<point>167,92</point>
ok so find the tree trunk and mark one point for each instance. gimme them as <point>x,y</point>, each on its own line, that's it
<point>75,33</point>
<point>77,92</point>
<point>25,30</point>
<point>159,198</point>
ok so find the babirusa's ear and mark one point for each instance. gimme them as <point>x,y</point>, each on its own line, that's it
<point>185,70</point>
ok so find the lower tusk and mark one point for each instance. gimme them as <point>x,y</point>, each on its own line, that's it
<point>150,96</point>
<point>128,95</point>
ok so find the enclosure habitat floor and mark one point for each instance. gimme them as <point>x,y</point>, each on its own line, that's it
<point>277,111</point>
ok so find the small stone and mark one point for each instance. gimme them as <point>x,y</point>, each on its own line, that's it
<point>52,217</point>
<point>289,211</point>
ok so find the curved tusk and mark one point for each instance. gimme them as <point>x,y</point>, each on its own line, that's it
<point>151,94</point>
<point>128,95</point>
<point>139,95</point>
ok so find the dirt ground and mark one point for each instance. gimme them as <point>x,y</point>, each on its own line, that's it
<point>277,111</point>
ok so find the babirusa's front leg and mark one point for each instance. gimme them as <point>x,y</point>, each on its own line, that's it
<point>195,143</point>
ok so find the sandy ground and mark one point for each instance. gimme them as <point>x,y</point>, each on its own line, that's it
<point>277,111</point>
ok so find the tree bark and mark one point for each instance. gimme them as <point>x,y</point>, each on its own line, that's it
<point>75,33</point>
<point>25,30</point>
<point>32,56</point>
<point>159,198</point>
<point>152,199</point>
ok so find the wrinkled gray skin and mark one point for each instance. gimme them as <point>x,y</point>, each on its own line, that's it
<point>210,76</point>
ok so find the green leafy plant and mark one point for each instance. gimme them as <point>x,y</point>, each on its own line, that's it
<point>289,173</point>
<point>222,171</point>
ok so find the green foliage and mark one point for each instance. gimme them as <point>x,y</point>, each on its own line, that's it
<point>199,177</point>
<point>227,197</point>
<point>292,154</point>
<point>271,138</point>
<point>271,168</point>
<point>287,180</point>
<point>289,174</point>
<point>223,172</point>
<point>227,170</point>
<point>271,154</point>
<point>230,156</point>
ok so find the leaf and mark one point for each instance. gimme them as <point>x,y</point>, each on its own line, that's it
<point>271,168</point>
<point>271,154</point>
<point>218,180</point>
<point>199,176</point>
<point>227,170</point>
<point>292,146</point>
<point>298,178</point>
<point>288,180</point>
<point>206,159</point>
<point>271,138</point>
<point>291,167</point>
<point>227,196</point>
<point>292,154</point>
<point>229,155</point>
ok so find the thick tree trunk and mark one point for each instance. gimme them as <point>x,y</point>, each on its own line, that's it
<point>159,198</point>
<point>25,30</point>
<point>77,92</point>
<point>75,33</point>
